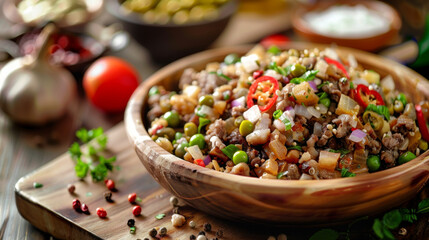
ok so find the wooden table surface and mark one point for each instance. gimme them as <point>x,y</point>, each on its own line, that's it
<point>24,149</point>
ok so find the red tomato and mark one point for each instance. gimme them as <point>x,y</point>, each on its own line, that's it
<point>109,83</point>
<point>278,40</point>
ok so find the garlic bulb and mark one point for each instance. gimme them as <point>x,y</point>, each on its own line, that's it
<point>34,92</point>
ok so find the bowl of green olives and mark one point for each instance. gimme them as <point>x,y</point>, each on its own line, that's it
<point>169,30</point>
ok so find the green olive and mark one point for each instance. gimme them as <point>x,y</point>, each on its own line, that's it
<point>166,132</point>
<point>406,157</point>
<point>206,100</point>
<point>198,139</point>
<point>180,150</point>
<point>297,70</point>
<point>374,119</point>
<point>246,127</point>
<point>238,121</point>
<point>373,163</point>
<point>165,105</point>
<point>398,107</point>
<point>172,118</point>
<point>190,129</point>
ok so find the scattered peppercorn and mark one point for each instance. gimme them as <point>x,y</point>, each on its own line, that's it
<point>137,210</point>
<point>71,188</point>
<point>202,233</point>
<point>153,232</point>
<point>174,201</point>
<point>84,208</point>
<point>207,227</point>
<point>192,224</point>
<point>131,222</point>
<point>110,184</point>
<point>219,233</point>
<point>101,212</point>
<point>163,232</point>
<point>132,197</point>
<point>108,196</point>
<point>192,237</point>
<point>132,230</point>
<point>37,185</point>
<point>76,204</point>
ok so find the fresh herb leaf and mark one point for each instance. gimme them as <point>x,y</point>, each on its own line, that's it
<point>274,50</point>
<point>380,109</point>
<point>99,172</point>
<point>74,150</point>
<point>230,150</point>
<point>322,95</point>
<point>160,216</point>
<point>83,136</point>
<point>203,121</point>
<point>283,71</point>
<point>299,148</point>
<point>309,75</point>
<point>288,125</point>
<point>221,75</point>
<point>37,185</point>
<point>388,234</point>
<point>277,114</point>
<point>423,206</point>
<point>297,80</point>
<point>342,151</point>
<point>346,173</point>
<point>408,215</point>
<point>325,234</point>
<point>352,86</point>
<point>81,168</point>
<point>377,227</point>
<point>322,84</point>
<point>282,174</point>
<point>392,219</point>
<point>401,97</point>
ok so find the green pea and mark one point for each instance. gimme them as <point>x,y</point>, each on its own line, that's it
<point>274,50</point>
<point>297,70</point>
<point>190,129</point>
<point>238,121</point>
<point>240,156</point>
<point>198,139</point>
<point>398,107</point>
<point>207,100</point>
<point>178,135</point>
<point>401,97</point>
<point>373,163</point>
<point>153,91</point>
<point>246,127</point>
<point>231,59</point>
<point>166,132</point>
<point>172,118</point>
<point>406,157</point>
<point>180,150</point>
<point>325,101</point>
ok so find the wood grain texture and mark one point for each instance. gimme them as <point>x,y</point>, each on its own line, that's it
<point>278,202</point>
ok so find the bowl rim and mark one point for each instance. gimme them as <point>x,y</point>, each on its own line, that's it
<point>138,135</point>
<point>114,8</point>
<point>301,25</point>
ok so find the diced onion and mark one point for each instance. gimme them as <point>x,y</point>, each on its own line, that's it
<point>264,123</point>
<point>250,63</point>
<point>357,135</point>
<point>208,111</point>
<point>352,61</point>
<point>317,130</point>
<point>387,83</point>
<point>289,115</point>
<point>273,74</point>
<point>305,176</point>
<point>313,112</point>
<point>313,85</point>
<point>322,108</point>
<point>279,125</point>
<point>239,102</point>
<point>302,111</point>
<point>253,114</point>
<point>358,81</point>
<point>207,159</point>
<point>195,152</point>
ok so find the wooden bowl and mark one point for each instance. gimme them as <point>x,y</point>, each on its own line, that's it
<point>277,202</point>
<point>10,10</point>
<point>168,42</point>
<point>370,43</point>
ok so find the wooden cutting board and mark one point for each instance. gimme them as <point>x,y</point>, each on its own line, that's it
<point>50,208</point>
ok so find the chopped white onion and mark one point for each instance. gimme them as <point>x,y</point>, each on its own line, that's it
<point>331,53</point>
<point>279,125</point>
<point>313,111</point>
<point>250,63</point>
<point>322,108</point>
<point>289,115</point>
<point>253,114</point>
<point>264,123</point>
<point>195,152</point>
<point>317,81</point>
<point>358,81</point>
<point>387,83</point>
<point>302,111</point>
<point>305,176</point>
<point>317,130</point>
<point>273,74</point>
<point>208,111</point>
<point>239,102</point>
<point>352,61</point>
<point>357,135</point>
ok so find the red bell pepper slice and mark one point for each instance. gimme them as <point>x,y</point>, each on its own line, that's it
<point>364,96</point>
<point>275,40</point>
<point>265,88</point>
<point>339,65</point>
<point>199,162</point>
<point>422,123</point>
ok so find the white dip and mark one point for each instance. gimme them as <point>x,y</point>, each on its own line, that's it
<point>347,22</point>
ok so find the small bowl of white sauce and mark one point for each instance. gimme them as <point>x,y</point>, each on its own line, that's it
<point>366,25</point>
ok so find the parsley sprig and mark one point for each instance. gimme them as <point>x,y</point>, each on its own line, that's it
<point>90,159</point>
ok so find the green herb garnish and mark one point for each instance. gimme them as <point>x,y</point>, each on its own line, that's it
<point>346,173</point>
<point>322,84</point>
<point>283,71</point>
<point>160,216</point>
<point>342,151</point>
<point>274,50</point>
<point>37,185</point>
<point>380,109</point>
<point>277,114</point>
<point>230,150</point>
<point>299,148</point>
<point>203,122</point>
<point>221,75</point>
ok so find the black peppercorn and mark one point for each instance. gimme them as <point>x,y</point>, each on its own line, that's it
<point>163,232</point>
<point>202,233</point>
<point>108,196</point>
<point>153,232</point>
<point>207,227</point>
<point>192,237</point>
<point>131,222</point>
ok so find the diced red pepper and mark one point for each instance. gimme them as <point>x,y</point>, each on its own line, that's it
<point>271,90</point>
<point>422,123</point>
<point>199,162</point>
<point>364,96</point>
<point>257,74</point>
<point>278,40</point>
<point>153,131</point>
<point>338,64</point>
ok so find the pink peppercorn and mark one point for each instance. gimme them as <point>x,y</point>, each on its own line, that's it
<point>84,208</point>
<point>137,210</point>
<point>76,204</point>
<point>132,197</point>
<point>101,212</point>
<point>110,184</point>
